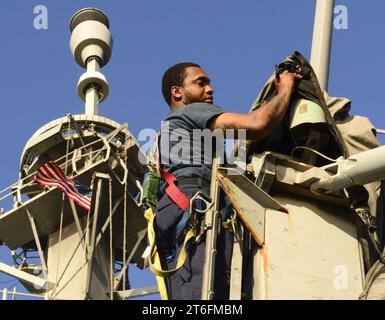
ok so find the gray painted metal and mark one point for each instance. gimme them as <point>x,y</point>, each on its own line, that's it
<point>87,133</point>
<point>90,253</point>
<point>212,228</point>
<point>249,201</point>
<point>236,265</point>
<point>138,292</point>
<point>68,267</point>
<point>37,240</point>
<point>310,252</point>
<point>359,169</point>
<point>24,276</point>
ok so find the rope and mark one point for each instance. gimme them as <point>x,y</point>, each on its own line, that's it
<point>85,233</point>
<point>153,257</point>
<point>125,216</point>
<point>62,209</point>
<point>87,226</point>
<point>314,151</point>
<point>73,254</point>
<point>111,247</point>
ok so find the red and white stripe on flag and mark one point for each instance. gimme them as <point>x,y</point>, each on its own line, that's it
<point>50,174</point>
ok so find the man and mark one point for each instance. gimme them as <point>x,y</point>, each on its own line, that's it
<point>186,89</point>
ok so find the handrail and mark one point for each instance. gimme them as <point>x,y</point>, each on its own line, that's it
<point>111,135</point>
<point>6,291</point>
<point>33,173</point>
<point>19,186</point>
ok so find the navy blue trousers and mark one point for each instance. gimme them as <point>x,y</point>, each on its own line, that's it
<point>186,283</point>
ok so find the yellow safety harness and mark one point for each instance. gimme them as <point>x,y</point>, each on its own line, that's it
<point>153,258</point>
<point>195,230</point>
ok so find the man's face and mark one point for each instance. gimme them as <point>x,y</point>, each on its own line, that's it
<point>196,87</point>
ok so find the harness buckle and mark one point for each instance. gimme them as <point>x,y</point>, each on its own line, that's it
<point>196,221</point>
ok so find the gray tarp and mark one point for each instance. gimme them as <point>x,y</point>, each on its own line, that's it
<point>350,134</point>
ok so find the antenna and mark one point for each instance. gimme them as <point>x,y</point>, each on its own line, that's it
<point>321,43</point>
<point>80,250</point>
<point>91,45</point>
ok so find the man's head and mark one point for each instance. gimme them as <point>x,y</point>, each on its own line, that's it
<point>185,83</point>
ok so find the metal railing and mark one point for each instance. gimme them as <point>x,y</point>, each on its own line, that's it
<point>13,294</point>
<point>16,188</point>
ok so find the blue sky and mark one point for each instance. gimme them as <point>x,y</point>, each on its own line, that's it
<point>236,42</point>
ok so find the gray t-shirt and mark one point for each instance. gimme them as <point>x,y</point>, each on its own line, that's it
<point>186,145</point>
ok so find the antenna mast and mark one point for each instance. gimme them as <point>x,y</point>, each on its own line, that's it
<point>321,43</point>
<point>91,45</point>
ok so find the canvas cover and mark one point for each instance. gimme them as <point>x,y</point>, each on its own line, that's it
<point>307,88</point>
<point>348,135</point>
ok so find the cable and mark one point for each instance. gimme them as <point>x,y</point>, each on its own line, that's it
<point>111,244</point>
<point>314,151</point>
<point>62,211</point>
<point>125,215</point>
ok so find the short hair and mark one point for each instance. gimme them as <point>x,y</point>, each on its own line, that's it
<point>174,76</point>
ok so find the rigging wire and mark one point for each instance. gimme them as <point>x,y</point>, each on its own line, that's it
<point>111,247</point>
<point>125,215</point>
<point>13,284</point>
<point>312,150</point>
<point>62,209</point>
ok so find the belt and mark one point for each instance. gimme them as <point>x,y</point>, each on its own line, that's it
<point>199,182</point>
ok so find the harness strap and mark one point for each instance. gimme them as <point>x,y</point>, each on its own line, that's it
<point>155,261</point>
<point>153,258</point>
<point>182,223</point>
<point>180,199</point>
<point>173,191</point>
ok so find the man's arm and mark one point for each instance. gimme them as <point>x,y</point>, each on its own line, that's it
<point>263,120</point>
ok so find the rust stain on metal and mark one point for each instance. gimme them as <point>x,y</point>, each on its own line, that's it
<point>290,223</point>
<point>291,230</point>
<point>265,265</point>
<point>283,209</point>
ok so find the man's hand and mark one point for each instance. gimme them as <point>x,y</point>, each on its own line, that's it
<point>263,120</point>
<point>285,82</point>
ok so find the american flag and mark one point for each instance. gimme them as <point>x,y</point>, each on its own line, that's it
<point>50,174</point>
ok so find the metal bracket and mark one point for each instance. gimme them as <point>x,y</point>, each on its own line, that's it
<point>26,277</point>
<point>138,292</point>
<point>264,170</point>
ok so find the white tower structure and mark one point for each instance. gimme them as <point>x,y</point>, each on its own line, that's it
<point>82,255</point>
